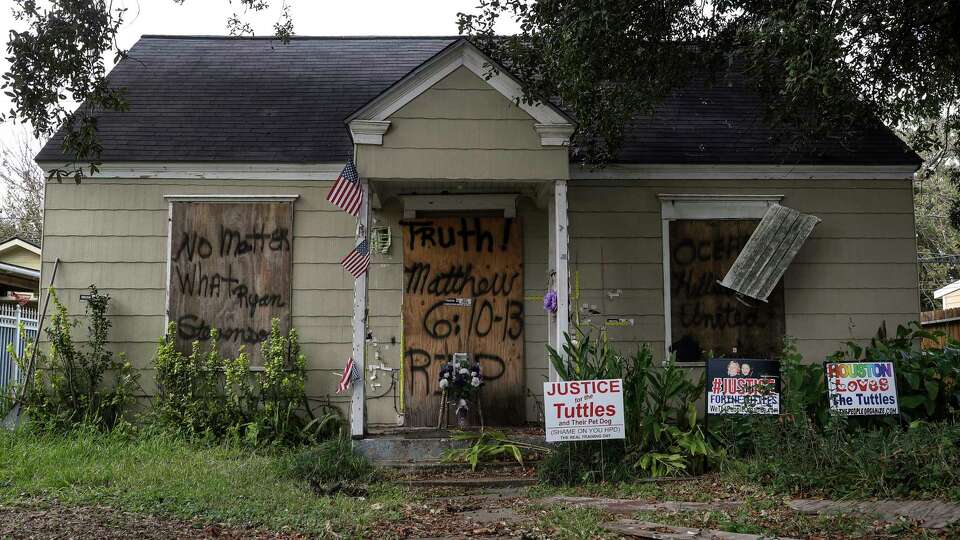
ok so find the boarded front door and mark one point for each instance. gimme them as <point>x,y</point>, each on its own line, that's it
<point>463,292</point>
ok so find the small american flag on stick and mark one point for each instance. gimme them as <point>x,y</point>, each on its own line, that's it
<point>351,375</point>
<point>347,194</point>
<point>357,261</point>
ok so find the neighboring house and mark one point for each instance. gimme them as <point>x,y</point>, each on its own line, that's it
<point>210,210</point>
<point>949,294</point>
<point>19,268</point>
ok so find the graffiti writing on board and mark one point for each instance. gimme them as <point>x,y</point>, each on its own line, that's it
<point>471,235</point>
<point>229,270</point>
<point>472,302</point>
<point>694,278</point>
<point>491,365</point>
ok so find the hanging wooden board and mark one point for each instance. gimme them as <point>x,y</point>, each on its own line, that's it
<point>463,292</point>
<point>229,269</point>
<point>709,318</point>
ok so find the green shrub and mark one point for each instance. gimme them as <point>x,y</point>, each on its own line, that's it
<point>207,395</point>
<point>928,380</point>
<point>795,458</point>
<point>332,461</point>
<point>76,384</point>
<point>662,434</point>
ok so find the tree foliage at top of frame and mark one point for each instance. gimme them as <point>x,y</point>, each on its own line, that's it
<point>822,66</point>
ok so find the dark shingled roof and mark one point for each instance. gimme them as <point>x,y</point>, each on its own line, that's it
<point>256,100</point>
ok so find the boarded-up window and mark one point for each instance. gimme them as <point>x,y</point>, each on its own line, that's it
<point>230,270</point>
<point>708,318</point>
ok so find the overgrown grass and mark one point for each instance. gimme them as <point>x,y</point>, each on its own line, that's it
<point>162,475</point>
<point>792,457</point>
<point>574,523</point>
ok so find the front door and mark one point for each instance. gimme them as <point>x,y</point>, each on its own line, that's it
<point>463,293</point>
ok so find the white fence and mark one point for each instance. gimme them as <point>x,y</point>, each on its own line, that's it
<point>12,316</point>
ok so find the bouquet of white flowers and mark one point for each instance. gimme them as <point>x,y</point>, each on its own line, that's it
<point>460,379</point>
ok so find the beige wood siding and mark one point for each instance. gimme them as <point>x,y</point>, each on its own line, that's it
<point>462,128</point>
<point>856,271</point>
<point>113,233</point>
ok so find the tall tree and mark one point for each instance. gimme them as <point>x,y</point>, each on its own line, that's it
<point>21,183</point>
<point>823,66</point>
<point>937,204</point>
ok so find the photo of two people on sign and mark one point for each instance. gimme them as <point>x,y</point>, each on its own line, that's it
<point>736,369</point>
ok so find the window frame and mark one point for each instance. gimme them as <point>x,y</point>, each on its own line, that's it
<point>700,206</point>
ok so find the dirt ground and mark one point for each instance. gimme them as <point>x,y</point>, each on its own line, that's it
<point>53,521</point>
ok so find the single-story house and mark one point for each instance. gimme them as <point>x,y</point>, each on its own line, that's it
<point>211,210</point>
<point>19,268</point>
<point>949,295</point>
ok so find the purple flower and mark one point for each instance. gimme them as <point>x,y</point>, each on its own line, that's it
<point>550,301</point>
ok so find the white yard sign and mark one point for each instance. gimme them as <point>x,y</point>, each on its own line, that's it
<point>583,410</point>
<point>862,388</point>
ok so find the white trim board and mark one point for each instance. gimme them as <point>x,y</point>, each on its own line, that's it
<point>210,171</point>
<point>675,206</point>
<point>431,203</point>
<point>16,242</point>
<point>229,198</point>
<point>743,172</point>
<point>553,126</point>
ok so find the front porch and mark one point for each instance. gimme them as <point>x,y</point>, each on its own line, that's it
<point>541,209</point>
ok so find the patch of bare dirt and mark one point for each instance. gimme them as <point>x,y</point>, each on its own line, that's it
<point>50,520</point>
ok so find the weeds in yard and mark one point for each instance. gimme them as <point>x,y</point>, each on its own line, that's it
<point>330,462</point>
<point>490,446</point>
<point>205,395</point>
<point>663,437</point>
<point>574,523</point>
<point>161,474</point>
<point>78,384</point>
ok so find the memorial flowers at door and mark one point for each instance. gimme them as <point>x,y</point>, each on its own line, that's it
<point>460,381</point>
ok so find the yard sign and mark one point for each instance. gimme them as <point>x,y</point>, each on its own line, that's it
<point>230,270</point>
<point>584,410</point>
<point>743,386</point>
<point>862,388</point>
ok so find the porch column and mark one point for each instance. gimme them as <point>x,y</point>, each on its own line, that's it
<point>358,421</point>
<point>557,264</point>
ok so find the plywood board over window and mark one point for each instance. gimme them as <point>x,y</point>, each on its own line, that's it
<point>463,292</point>
<point>229,269</point>
<point>705,317</point>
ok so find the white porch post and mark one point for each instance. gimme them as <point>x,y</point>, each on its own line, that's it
<point>358,423</point>
<point>558,263</point>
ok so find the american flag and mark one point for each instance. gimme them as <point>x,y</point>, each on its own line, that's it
<point>357,261</point>
<point>351,375</point>
<point>347,194</point>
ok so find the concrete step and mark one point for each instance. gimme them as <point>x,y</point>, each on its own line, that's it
<point>471,483</point>
<point>419,446</point>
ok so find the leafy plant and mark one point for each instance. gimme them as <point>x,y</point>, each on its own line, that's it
<point>77,384</point>
<point>489,446</point>
<point>331,461</point>
<point>928,379</point>
<point>662,434</point>
<point>204,394</point>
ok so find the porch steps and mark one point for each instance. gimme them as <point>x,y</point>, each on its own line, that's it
<point>421,447</point>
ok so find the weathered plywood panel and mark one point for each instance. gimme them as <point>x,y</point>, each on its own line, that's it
<point>230,266</point>
<point>706,317</point>
<point>467,260</point>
